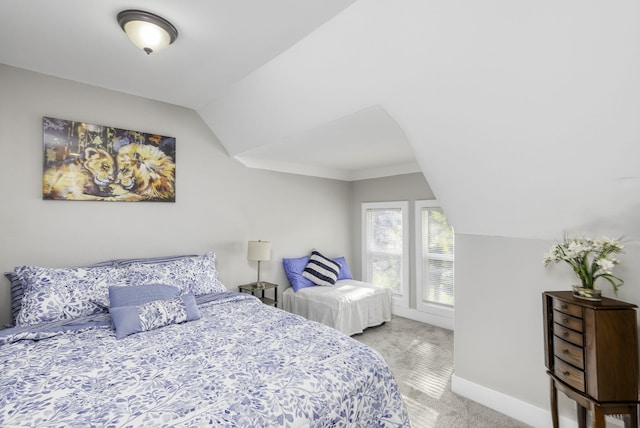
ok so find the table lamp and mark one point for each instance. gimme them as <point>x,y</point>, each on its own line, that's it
<point>259,251</point>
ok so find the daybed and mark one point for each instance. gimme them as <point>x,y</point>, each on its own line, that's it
<point>345,304</point>
<point>163,343</point>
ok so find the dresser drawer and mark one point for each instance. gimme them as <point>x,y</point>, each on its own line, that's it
<point>567,308</point>
<point>568,374</point>
<point>572,354</point>
<point>569,335</point>
<point>567,321</point>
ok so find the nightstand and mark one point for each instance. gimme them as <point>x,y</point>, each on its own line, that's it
<point>253,287</point>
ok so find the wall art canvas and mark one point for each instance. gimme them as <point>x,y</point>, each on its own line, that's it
<point>86,162</point>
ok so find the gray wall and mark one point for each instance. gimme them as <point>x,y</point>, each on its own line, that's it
<point>220,204</point>
<point>498,340</point>
<point>498,336</point>
<point>406,187</point>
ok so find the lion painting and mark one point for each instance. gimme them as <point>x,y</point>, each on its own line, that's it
<point>80,179</point>
<point>145,172</point>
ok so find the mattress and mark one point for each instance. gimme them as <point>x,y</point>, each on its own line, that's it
<point>349,306</point>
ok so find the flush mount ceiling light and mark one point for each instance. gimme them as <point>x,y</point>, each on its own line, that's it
<point>149,32</point>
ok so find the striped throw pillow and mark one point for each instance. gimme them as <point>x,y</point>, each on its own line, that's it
<point>321,270</point>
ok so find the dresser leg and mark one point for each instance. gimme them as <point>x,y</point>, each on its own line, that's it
<point>632,420</point>
<point>554,404</point>
<point>597,417</point>
<point>582,416</point>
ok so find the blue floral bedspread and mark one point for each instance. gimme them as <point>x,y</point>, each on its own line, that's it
<point>243,364</point>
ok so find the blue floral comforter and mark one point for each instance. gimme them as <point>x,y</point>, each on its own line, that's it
<point>243,364</point>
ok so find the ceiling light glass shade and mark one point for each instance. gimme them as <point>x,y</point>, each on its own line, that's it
<point>149,32</point>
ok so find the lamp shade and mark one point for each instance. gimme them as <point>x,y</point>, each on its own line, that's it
<point>149,32</point>
<point>259,251</point>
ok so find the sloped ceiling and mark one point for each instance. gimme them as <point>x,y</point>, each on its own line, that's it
<point>219,42</point>
<point>365,144</point>
<point>522,115</point>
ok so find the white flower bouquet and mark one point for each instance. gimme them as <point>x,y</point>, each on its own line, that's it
<point>590,259</point>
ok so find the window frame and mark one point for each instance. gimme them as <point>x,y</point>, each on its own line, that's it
<point>434,308</point>
<point>403,300</point>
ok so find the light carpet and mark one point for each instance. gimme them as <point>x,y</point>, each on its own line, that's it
<point>421,358</point>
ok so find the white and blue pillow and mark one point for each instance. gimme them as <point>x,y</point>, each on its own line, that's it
<point>46,294</point>
<point>194,274</point>
<point>321,270</point>
<point>148,307</point>
<point>61,294</point>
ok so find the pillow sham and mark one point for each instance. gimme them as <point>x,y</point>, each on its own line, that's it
<point>154,314</point>
<point>150,260</point>
<point>196,274</point>
<point>293,268</point>
<point>17,288</point>
<point>53,294</point>
<point>321,270</point>
<point>17,292</point>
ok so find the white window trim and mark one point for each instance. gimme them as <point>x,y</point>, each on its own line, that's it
<point>430,308</point>
<point>402,301</point>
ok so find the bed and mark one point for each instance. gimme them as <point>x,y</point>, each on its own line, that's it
<point>336,299</point>
<point>349,306</point>
<point>189,353</point>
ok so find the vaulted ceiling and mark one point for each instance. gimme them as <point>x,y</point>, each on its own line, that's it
<point>523,116</point>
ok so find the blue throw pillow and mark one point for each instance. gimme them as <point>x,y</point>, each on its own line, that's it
<point>138,295</point>
<point>293,268</point>
<point>344,273</point>
<point>154,314</point>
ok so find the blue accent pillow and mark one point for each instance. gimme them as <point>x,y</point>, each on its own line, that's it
<point>344,273</point>
<point>141,294</point>
<point>129,320</point>
<point>293,268</point>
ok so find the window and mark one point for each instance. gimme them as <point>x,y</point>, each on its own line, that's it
<point>386,247</point>
<point>435,259</point>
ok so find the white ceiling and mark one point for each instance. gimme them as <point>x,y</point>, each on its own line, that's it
<point>523,116</point>
<point>365,144</point>
<point>219,43</point>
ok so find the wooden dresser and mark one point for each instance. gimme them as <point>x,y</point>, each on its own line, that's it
<point>591,353</point>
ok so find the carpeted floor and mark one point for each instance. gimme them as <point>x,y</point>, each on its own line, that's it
<point>421,358</point>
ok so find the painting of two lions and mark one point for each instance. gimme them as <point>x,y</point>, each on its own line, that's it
<point>86,162</point>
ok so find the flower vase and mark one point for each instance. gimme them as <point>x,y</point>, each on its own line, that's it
<point>591,294</point>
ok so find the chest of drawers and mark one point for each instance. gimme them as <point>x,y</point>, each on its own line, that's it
<point>591,354</point>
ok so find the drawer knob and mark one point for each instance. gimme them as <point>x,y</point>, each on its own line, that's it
<point>565,351</point>
<point>563,307</point>
<point>565,373</point>
<point>565,334</point>
<point>565,320</point>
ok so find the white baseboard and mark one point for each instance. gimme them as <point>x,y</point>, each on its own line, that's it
<point>517,409</point>
<point>520,410</point>
<point>413,314</point>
